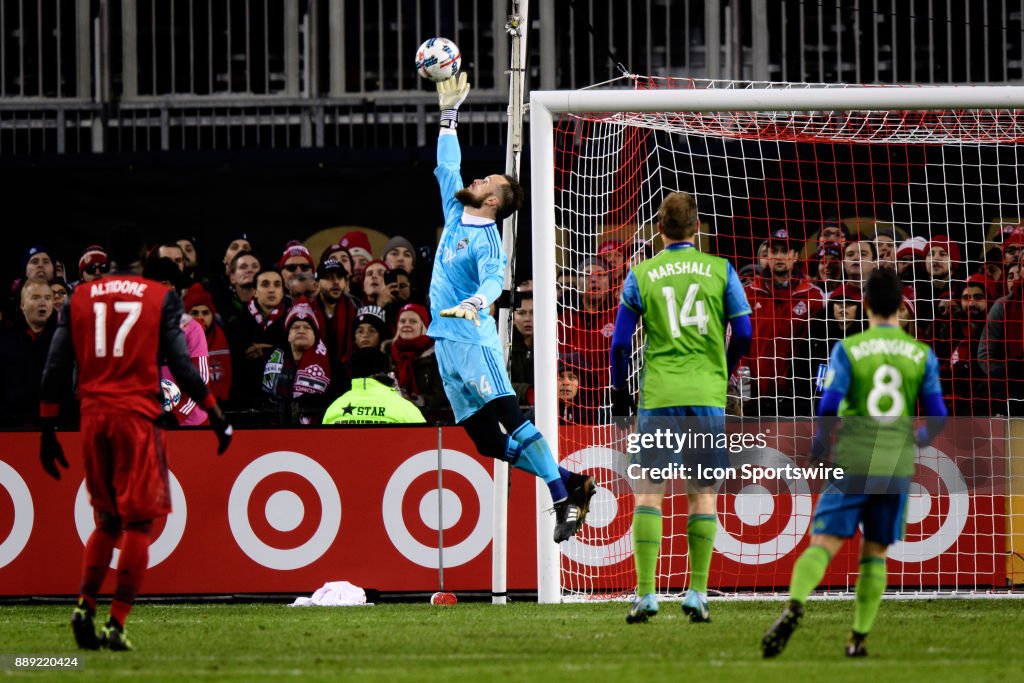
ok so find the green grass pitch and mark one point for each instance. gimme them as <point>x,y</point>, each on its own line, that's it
<point>940,640</point>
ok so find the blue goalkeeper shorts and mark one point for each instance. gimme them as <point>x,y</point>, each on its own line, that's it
<point>473,375</point>
<point>882,515</point>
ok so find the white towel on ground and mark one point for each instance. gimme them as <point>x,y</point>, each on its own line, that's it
<point>334,594</point>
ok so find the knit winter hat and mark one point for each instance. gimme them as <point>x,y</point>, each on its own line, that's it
<point>296,249</point>
<point>398,241</point>
<point>419,310</point>
<point>198,296</point>
<point>952,248</point>
<point>357,243</point>
<point>94,255</point>
<point>302,310</point>
<point>916,246</point>
<point>373,315</point>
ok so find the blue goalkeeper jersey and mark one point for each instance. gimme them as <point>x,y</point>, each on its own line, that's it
<point>469,258</point>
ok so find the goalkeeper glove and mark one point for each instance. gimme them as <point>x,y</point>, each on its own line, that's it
<point>468,309</point>
<point>50,452</point>
<point>222,428</point>
<point>450,96</point>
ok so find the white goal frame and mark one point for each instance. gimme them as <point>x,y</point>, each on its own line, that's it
<point>545,105</point>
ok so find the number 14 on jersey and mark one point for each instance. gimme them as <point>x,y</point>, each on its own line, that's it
<point>692,313</point>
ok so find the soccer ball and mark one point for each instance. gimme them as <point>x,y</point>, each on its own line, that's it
<point>438,59</point>
<point>172,394</point>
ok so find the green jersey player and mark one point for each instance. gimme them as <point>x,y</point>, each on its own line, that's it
<point>874,382</point>
<point>685,298</point>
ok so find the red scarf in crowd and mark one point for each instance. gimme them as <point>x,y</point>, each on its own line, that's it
<point>267,320</point>
<point>405,352</point>
<point>220,362</point>
<point>313,374</point>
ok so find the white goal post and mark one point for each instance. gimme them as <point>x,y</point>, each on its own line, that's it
<point>546,106</point>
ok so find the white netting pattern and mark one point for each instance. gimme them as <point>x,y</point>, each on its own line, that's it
<point>936,196</point>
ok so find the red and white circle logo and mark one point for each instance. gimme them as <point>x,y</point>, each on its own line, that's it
<point>937,509</point>
<point>166,541</point>
<point>14,496</point>
<point>413,512</point>
<point>766,524</point>
<point>284,510</point>
<point>607,537</point>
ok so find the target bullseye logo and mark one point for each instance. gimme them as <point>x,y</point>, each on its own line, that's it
<point>23,517</point>
<point>603,541</point>
<point>410,508</point>
<point>283,476</point>
<point>757,507</point>
<point>923,507</point>
<point>165,543</point>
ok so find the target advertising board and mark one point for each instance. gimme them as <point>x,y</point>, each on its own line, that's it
<point>286,510</point>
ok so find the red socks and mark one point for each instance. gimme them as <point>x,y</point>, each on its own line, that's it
<point>95,562</point>
<point>131,567</point>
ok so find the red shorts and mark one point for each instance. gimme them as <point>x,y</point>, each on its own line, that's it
<point>126,466</point>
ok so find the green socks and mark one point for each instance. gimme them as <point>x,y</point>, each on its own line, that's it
<point>870,587</point>
<point>700,540</point>
<point>807,572</point>
<point>646,545</point>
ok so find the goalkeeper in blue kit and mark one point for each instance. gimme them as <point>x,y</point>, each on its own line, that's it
<point>468,276</point>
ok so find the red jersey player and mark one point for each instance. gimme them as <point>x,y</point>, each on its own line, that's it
<point>117,330</point>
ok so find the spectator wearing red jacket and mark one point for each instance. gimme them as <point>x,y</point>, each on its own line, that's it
<point>956,347</point>
<point>199,304</point>
<point>590,328</point>
<point>782,306</point>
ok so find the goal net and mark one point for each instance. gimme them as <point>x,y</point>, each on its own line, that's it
<point>804,203</point>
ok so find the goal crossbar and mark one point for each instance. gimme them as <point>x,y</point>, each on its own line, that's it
<point>545,105</point>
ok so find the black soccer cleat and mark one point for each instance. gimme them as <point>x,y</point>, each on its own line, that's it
<point>82,626</point>
<point>581,489</point>
<point>567,520</point>
<point>774,641</point>
<point>855,645</point>
<point>113,636</point>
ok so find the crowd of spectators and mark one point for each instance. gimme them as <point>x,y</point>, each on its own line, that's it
<point>281,337</point>
<point>805,295</point>
<point>276,338</point>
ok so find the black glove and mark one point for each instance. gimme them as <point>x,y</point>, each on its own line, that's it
<point>50,452</point>
<point>623,409</point>
<point>222,428</point>
<point>623,404</point>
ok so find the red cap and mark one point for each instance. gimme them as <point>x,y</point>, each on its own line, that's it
<point>918,246</point>
<point>296,249</point>
<point>952,248</point>
<point>198,296</point>
<point>1015,236</point>
<point>419,310</point>
<point>356,239</point>
<point>92,256</point>
<point>302,310</point>
<point>990,286</point>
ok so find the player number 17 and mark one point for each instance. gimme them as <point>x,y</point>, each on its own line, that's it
<point>99,309</point>
<point>692,313</point>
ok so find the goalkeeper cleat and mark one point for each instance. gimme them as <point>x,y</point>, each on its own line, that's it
<point>855,645</point>
<point>642,609</point>
<point>113,636</point>
<point>774,641</point>
<point>567,520</point>
<point>696,608</point>
<point>82,626</point>
<point>581,489</point>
